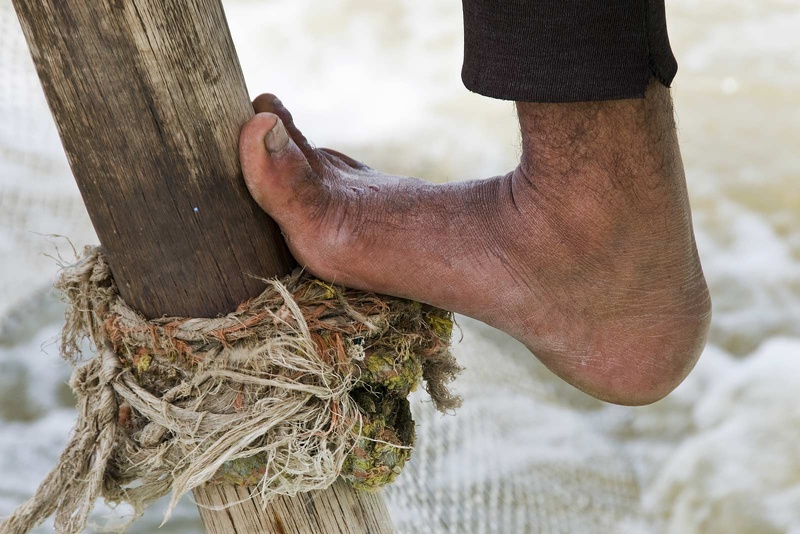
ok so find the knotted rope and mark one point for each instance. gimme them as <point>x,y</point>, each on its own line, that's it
<point>304,383</point>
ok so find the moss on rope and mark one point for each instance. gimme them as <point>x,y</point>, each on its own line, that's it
<point>300,385</point>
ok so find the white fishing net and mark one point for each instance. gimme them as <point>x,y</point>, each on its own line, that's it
<point>526,453</point>
<point>516,458</point>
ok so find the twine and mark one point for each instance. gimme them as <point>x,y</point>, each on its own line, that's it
<point>298,386</point>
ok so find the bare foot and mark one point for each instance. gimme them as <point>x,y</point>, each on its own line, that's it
<point>585,252</point>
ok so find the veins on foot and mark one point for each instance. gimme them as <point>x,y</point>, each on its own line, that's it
<point>585,252</point>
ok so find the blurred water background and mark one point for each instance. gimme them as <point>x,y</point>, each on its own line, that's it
<point>380,81</point>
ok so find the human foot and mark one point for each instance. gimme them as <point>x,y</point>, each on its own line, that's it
<point>585,252</point>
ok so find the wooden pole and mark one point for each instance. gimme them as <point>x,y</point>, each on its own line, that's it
<point>149,97</point>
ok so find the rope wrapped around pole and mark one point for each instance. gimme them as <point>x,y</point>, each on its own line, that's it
<point>300,385</point>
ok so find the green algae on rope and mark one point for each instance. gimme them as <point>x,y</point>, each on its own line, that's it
<point>300,385</point>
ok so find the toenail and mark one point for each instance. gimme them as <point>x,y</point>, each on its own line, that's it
<point>277,138</point>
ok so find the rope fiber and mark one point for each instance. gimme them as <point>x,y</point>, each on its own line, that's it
<point>300,385</point>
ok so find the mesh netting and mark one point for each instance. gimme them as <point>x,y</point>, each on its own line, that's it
<point>517,458</point>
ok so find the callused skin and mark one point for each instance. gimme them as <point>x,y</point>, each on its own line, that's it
<point>585,252</point>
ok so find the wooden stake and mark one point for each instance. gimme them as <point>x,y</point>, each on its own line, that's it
<point>148,97</point>
<point>337,509</point>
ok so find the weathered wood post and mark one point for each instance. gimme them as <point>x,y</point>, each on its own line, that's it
<point>149,97</point>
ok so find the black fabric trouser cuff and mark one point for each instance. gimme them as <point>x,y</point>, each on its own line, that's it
<point>565,50</point>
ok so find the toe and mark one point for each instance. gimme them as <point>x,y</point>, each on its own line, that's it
<point>269,103</point>
<point>276,171</point>
<point>343,160</point>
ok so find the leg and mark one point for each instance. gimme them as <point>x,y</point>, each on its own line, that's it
<point>585,252</point>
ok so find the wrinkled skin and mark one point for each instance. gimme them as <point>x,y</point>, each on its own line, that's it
<point>585,252</point>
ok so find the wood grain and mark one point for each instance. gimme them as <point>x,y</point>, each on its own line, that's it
<point>148,97</point>
<point>337,509</point>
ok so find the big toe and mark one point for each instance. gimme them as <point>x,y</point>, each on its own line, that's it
<point>275,170</point>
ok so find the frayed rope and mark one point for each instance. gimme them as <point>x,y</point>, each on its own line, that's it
<point>303,384</point>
